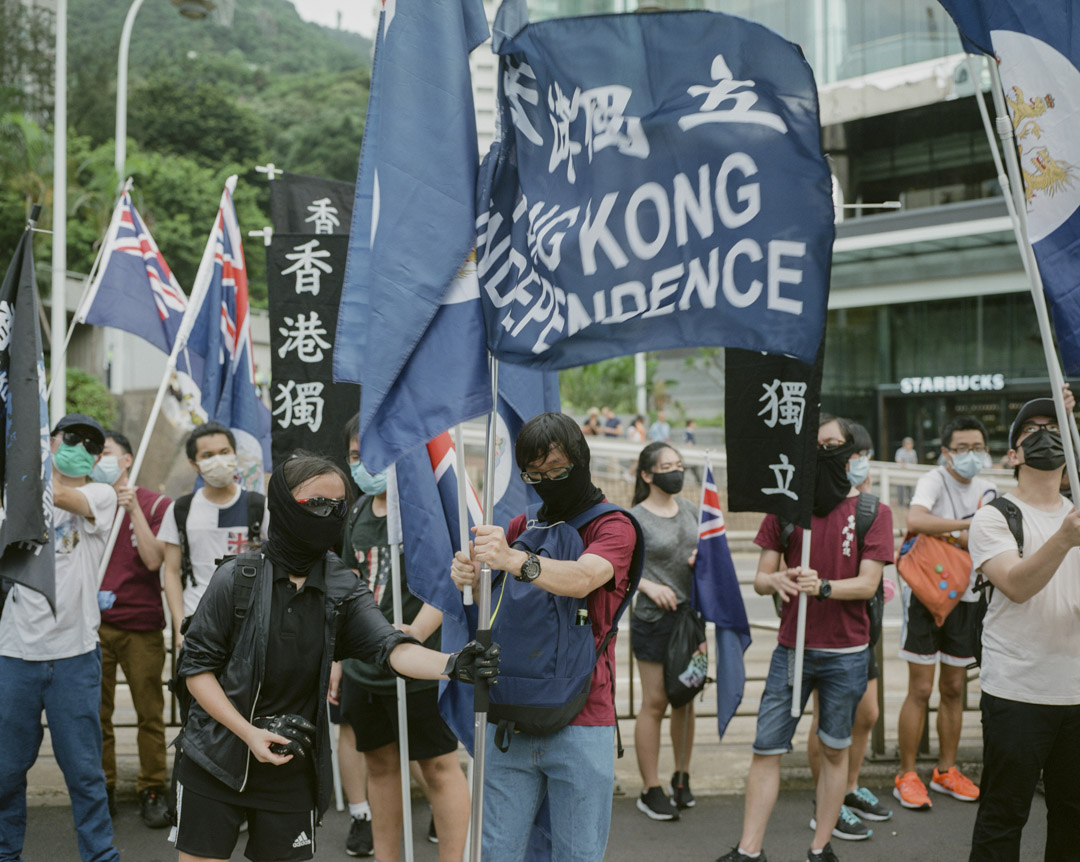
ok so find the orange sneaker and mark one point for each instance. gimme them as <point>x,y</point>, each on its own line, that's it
<point>956,784</point>
<point>912,792</point>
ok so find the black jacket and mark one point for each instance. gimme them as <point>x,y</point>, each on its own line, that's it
<point>355,628</point>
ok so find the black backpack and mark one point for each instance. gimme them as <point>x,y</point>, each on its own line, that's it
<point>985,590</point>
<point>256,504</point>
<point>866,509</point>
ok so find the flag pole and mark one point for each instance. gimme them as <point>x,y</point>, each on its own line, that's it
<point>1013,187</point>
<point>462,503</point>
<point>191,314</point>
<point>800,634</point>
<point>483,634</point>
<point>394,536</point>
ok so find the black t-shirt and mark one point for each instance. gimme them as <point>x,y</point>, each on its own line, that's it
<point>294,657</point>
<point>367,549</point>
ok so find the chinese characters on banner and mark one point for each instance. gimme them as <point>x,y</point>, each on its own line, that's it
<point>305,268</point>
<point>772,404</point>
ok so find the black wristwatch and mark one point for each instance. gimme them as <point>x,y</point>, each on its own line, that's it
<point>825,590</point>
<point>530,569</point>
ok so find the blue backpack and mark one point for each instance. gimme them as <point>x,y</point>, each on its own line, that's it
<point>548,649</point>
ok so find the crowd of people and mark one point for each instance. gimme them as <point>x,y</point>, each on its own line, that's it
<point>282,613</point>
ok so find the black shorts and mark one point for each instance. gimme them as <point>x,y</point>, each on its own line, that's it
<point>649,640</point>
<point>209,828</point>
<point>925,642</point>
<point>374,720</point>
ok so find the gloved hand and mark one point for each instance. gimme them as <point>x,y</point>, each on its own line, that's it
<point>474,661</point>
<point>296,728</point>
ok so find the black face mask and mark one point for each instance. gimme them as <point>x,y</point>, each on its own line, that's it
<point>298,539</point>
<point>831,483</point>
<point>570,496</point>
<point>670,482</point>
<point>1043,450</point>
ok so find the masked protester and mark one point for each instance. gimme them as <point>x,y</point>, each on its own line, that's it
<point>1026,546</point>
<point>256,742</point>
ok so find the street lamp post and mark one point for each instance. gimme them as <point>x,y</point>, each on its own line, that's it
<point>57,360</point>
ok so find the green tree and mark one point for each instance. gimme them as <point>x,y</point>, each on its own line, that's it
<point>26,65</point>
<point>87,394</point>
<point>610,382</point>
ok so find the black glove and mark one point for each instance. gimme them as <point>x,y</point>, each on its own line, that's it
<point>474,661</point>
<point>299,731</point>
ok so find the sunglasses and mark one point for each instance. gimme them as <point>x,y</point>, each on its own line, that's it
<point>324,507</point>
<point>74,438</point>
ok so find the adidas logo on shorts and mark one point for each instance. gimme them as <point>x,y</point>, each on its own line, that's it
<point>302,840</point>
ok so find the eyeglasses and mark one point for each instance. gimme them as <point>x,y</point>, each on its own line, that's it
<point>535,477</point>
<point>74,438</point>
<point>324,507</point>
<point>1032,427</point>
<point>963,449</point>
<point>829,447</point>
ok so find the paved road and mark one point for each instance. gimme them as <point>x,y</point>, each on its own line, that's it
<point>703,834</point>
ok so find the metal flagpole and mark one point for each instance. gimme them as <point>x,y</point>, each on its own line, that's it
<point>462,502</point>
<point>198,294</point>
<point>483,635</point>
<point>800,634</point>
<point>393,533</point>
<point>1014,196</point>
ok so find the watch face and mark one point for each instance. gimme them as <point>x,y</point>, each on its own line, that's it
<point>530,569</point>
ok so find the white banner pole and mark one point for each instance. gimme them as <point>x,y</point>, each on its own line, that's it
<point>800,634</point>
<point>462,503</point>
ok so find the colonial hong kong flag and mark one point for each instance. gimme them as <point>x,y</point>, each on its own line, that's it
<point>134,289</point>
<point>717,597</point>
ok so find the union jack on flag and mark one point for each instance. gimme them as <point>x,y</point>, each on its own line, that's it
<point>134,289</point>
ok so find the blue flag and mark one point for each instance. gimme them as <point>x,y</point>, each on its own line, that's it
<point>221,336</point>
<point>717,596</point>
<point>412,231</point>
<point>642,195</point>
<point>1037,48</point>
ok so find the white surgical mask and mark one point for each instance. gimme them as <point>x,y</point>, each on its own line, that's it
<point>968,465</point>
<point>219,470</point>
<point>106,470</point>
<point>858,470</point>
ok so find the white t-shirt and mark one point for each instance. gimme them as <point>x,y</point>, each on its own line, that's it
<point>28,629</point>
<point>214,530</point>
<point>947,497</point>
<point>1031,651</point>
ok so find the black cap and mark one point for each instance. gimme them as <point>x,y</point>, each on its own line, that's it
<point>1035,407</point>
<point>90,426</point>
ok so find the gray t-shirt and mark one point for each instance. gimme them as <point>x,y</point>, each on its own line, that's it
<point>669,542</point>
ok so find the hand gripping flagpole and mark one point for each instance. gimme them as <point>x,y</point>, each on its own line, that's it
<point>191,314</point>
<point>800,634</point>
<point>483,635</point>
<point>393,531</point>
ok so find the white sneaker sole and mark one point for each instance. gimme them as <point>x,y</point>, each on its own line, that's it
<point>671,793</point>
<point>653,815</point>
<point>845,836</point>
<point>941,788</point>
<point>926,807</point>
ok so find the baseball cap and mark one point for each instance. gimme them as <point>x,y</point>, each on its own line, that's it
<point>1035,407</point>
<point>88,425</point>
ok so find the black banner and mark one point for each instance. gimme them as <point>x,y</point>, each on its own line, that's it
<point>303,204</point>
<point>772,405</point>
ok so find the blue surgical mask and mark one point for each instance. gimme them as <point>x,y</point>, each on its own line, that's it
<point>368,484</point>
<point>968,465</point>
<point>859,469</point>
<point>106,470</point>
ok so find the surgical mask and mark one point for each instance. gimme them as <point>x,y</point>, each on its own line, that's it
<point>73,461</point>
<point>1043,450</point>
<point>218,471</point>
<point>106,470</point>
<point>670,482</point>
<point>858,470</point>
<point>365,481</point>
<point>968,465</point>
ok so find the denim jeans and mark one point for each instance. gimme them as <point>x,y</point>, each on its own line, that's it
<point>575,768</point>
<point>69,690</point>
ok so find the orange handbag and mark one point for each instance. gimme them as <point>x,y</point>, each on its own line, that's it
<point>937,570</point>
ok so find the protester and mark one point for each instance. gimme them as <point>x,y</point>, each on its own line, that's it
<point>690,434</point>
<point>592,426</point>
<point>256,741</point>
<point>636,432</point>
<point>221,520</point>
<point>612,426</point>
<point>575,766</point>
<point>860,803</point>
<point>837,636</point>
<point>944,503</point>
<point>669,524</point>
<point>52,662</point>
<point>906,456</point>
<point>369,698</point>
<point>660,430</point>
<point>1030,676</point>
<point>132,619</point>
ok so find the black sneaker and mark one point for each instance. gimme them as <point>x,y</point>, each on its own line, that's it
<point>848,826</point>
<point>154,807</point>
<point>680,790</point>
<point>359,842</point>
<point>866,806</point>
<point>826,855</point>
<point>736,855</point>
<point>431,836</point>
<point>655,804</point>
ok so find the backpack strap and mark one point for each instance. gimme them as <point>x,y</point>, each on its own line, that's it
<point>256,506</point>
<point>181,509</point>
<point>1013,517</point>
<point>247,567</point>
<point>866,509</point>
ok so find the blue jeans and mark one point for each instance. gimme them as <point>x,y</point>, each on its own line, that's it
<point>69,690</point>
<point>840,679</point>
<point>575,768</point>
